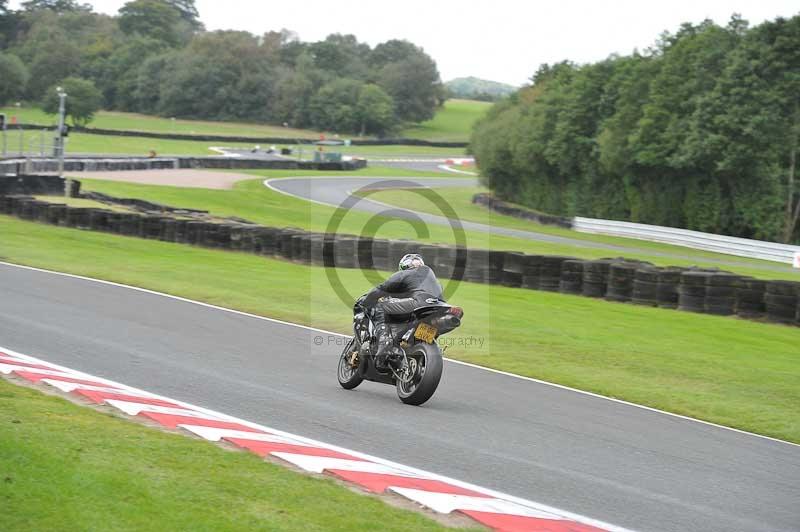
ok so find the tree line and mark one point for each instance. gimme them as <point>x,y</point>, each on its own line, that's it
<point>700,131</point>
<point>155,57</point>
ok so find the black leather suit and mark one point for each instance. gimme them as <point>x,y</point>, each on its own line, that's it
<point>412,287</point>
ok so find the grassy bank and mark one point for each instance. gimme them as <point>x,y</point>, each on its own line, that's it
<point>453,122</point>
<point>157,124</point>
<point>253,201</point>
<point>66,467</point>
<point>738,373</point>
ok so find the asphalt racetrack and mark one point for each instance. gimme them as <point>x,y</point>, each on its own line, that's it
<point>607,460</point>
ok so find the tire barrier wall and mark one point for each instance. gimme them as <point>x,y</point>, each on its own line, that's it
<point>111,164</point>
<point>40,185</point>
<point>254,140</point>
<point>615,279</point>
<point>502,207</point>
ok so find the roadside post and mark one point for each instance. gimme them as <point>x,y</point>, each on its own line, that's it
<point>3,131</point>
<point>62,96</point>
<point>796,262</point>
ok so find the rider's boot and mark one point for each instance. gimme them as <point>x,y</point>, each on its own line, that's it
<point>384,340</point>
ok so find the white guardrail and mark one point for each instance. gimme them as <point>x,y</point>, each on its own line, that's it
<point>731,245</point>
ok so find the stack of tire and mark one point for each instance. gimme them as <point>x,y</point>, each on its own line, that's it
<point>531,268</point>
<point>645,286</point>
<point>477,264</point>
<point>445,262</point>
<point>721,293</point>
<point>284,242</point>
<point>345,248</point>
<point>430,254</point>
<point>380,254</point>
<point>750,298</point>
<point>692,291</point>
<point>301,248</point>
<point>316,249</point>
<point>669,280</point>
<point>780,299</point>
<point>620,281</point>
<point>512,269</point>
<point>550,272</point>
<point>571,277</point>
<point>595,278</point>
<point>494,270</point>
<point>364,259</point>
<point>78,218</point>
<point>458,256</point>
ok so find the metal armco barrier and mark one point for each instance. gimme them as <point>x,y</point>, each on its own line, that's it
<point>731,245</point>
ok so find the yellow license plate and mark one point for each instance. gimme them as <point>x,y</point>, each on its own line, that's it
<point>426,333</point>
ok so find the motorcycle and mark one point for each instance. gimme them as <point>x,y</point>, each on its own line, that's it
<point>415,366</point>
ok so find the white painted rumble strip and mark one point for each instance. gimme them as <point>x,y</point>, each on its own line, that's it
<point>66,386</point>
<point>8,368</point>
<point>381,465</point>
<point>134,409</point>
<point>217,434</point>
<point>446,503</point>
<point>318,464</point>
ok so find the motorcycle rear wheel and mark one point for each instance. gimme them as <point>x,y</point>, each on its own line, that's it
<point>348,375</point>
<point>427,362</point>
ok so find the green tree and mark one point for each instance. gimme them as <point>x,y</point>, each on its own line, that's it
<point>59,6</point>
<point>83,100</point>
<point>392,51</point>
<point>188,12</point>
<point>342,55</point>
<point>151,18</point>
<point>374,110</point>
<point>415,87</point>
<point>220,75</point>
<point>13,77</point>
<point>334,107</point>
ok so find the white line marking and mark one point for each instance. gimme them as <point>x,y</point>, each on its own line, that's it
<point>392,467</point>
<point>451,169</point>
<point>459,362</point>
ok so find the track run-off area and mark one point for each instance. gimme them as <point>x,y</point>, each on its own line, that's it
<point>608,460</point>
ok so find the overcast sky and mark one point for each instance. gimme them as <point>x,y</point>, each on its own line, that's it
<point>501,40</point>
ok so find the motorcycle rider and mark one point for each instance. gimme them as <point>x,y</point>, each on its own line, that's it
<point>416,282</point>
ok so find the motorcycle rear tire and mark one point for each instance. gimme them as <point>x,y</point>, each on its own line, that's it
<point>429,381</point>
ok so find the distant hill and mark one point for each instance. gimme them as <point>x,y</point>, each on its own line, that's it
<point>478,89</point>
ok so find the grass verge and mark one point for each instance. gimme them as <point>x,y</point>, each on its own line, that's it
<point>253,201</point>
<point>67,467</point>
<point>156,124</point>
<point>733,372</point>
<point>453,122</point>
<point>84,143</point>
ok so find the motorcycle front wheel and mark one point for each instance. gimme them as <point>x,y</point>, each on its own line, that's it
<point>420,374</point>
<point>347,372</point>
